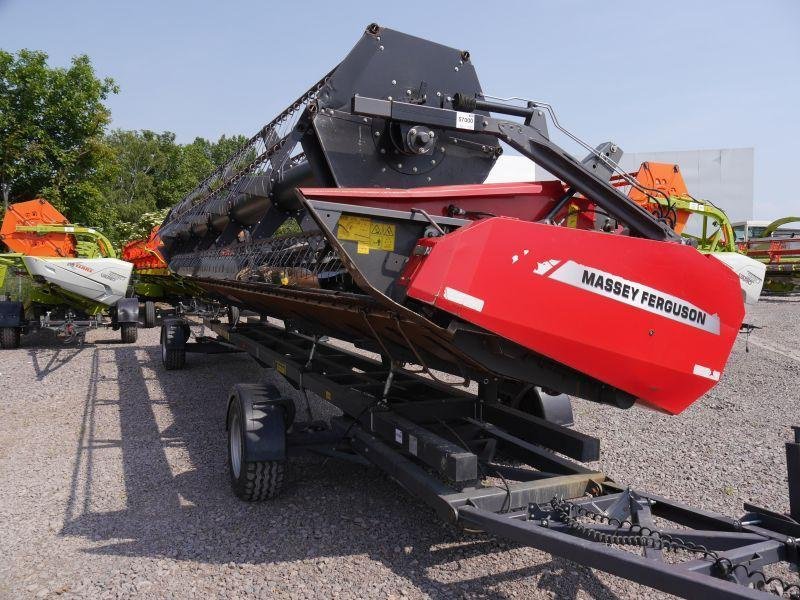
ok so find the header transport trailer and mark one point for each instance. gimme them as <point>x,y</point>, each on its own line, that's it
<point>476,311</point>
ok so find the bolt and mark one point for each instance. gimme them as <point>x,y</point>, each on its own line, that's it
<point>439,94</point>
<point>429,178</point>
<point>433,162</point>
<point>413,132</point>
<point>366,120</point>
<point>456,68</point>
<point>394,82</point>
<point>380,47</point>
<point>486,123</point>
<point>408,92</point>
<point>377,134</point>
<point>544,523</point>
<point>432,134</point>
<point>383,150</point>
<point>414,169</point>
<point>389,98</point>
<point>399,165</point>
<point>383,169</point>
<point>651,332</point>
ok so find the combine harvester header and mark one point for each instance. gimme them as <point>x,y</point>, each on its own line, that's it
<point>76,259</point>
<point>59,276</point>
<point>442,269</point>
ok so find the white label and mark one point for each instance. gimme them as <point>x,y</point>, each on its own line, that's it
<point>543,267</point>
<point>69,229</point>
<point>463,299</point>
<point>398,436</point>
<point>634,294</point>
<point>412,444</point>
<point>465,120</point>
<point>702,371</point>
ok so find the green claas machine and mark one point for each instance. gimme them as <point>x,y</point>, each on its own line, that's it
<point>60,277</point>
<point>775,245</point>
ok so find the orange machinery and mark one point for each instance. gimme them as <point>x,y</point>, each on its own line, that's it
<point>35,213</point>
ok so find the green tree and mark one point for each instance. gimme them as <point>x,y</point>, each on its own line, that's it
<point>149,172</point>
<point>52,122</point>
<point>142,173</point>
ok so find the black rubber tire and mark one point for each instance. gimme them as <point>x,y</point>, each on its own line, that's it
<point>149,314</point>
<point>255,480</point>
<point>129,332</point>
<point>174,358</point>
<point>9,338</point>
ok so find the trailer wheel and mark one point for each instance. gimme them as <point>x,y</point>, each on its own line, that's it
<point>9,337</point>
<point>149,314</point>
<point>173,354</point>
<point>251,480</point>
<point>128,332</point>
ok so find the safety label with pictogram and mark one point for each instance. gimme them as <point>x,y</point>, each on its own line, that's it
<point>367,233</point>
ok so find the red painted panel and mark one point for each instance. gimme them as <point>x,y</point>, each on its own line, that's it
<point>547,289</point>
<point>529,201</point>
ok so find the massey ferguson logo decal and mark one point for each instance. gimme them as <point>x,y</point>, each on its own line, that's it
<point>629,292</point>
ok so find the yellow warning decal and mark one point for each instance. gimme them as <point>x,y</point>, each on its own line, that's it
<point>369,234</point>
<point>280,367</point>
<point>572,215</point>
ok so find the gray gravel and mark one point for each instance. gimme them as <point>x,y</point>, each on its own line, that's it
<point>113,484</point>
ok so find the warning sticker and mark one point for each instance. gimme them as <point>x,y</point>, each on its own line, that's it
<point>368,234</point>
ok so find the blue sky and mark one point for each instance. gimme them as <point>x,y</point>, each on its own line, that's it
<point>649,75</point>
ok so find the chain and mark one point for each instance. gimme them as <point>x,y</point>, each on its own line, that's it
<point>638,535</point>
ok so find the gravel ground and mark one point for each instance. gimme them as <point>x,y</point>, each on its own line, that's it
<point>113,483</point>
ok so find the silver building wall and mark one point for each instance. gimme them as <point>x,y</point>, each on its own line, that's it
<point>723,176</point>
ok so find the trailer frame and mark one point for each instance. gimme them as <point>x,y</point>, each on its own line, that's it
<point>442,443</point>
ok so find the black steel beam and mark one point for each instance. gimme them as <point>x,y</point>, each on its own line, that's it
<point>532,143</point>
<point>793,469</point>
<point>409,475</point>
<point>530,428</point>
<point>457,464</point>
<point>539,457</point>
<point>518,495</point>
<point>656,574</point>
